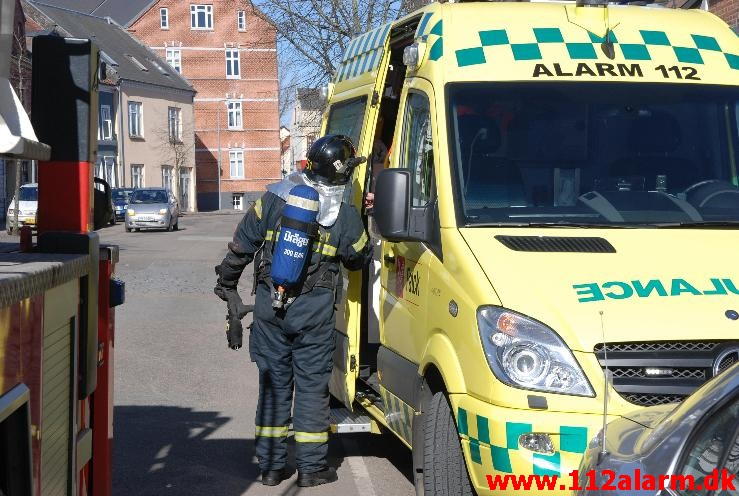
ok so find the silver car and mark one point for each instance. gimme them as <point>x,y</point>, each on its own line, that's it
<point>152,208</point>
<point>694,446</point>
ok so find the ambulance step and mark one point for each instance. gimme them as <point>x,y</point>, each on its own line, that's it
<point>344,421</point>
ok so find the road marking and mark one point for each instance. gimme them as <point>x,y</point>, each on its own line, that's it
<point>359,469</point>
<point>219,239</point>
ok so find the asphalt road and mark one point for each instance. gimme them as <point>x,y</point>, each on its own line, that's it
<point>184,403</point>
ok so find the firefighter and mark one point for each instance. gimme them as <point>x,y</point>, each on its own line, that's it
<point>292,342</point>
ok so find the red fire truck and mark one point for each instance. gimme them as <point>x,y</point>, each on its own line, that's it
<point>57,295</point>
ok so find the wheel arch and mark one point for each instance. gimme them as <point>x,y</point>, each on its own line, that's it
<point>440,366</point>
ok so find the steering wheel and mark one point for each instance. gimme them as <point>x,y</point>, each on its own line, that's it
<point>718,192</point>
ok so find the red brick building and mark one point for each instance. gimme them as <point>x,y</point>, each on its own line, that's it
<point>728,10</point>
<point>227,50</point>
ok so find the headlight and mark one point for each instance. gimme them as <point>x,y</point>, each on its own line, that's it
<point>162,211</point>
<point>131,212</point>
<point>527,354</point>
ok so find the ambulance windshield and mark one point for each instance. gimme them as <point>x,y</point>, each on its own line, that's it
<point>595,154</point>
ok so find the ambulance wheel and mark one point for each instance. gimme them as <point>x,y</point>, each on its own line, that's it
<point>441,470</point>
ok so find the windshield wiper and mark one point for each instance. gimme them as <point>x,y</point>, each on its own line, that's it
<point>693,224</point>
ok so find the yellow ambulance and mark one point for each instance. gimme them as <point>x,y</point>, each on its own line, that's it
<point>561,198</point>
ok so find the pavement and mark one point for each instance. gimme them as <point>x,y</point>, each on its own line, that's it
<point>184,402</point>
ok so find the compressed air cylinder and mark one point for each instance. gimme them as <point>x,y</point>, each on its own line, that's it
<point>297,228</point>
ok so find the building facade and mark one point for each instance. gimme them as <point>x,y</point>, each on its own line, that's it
<point>305,125</point>
<point>227,50</point>
<point>145,115</point>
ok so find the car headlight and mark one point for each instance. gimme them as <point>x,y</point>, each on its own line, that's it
<point>131,212</point>
<point>527,354</point>
<point>162,211</point>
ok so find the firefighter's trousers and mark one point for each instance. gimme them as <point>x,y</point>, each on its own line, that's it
<point>293,353</point>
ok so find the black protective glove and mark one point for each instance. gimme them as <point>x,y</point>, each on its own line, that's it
<point>236,310</point>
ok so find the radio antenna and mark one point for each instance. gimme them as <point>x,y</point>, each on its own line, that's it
<point>606,386</point>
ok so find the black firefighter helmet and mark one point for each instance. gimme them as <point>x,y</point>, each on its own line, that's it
<point>331,160</point>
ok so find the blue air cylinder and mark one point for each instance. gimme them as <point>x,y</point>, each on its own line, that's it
<point>297,228</point>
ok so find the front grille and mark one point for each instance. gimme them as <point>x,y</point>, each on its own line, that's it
<point>630,372</point>
<point>652,399</point>
<point>660,372</point>
<point>659,346</point>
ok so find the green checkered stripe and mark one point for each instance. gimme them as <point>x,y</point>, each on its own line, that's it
<point>433,34</point>
<point>363,54</point>
<point>398,415</point>
<point>587,49</point>
<point>572,439</point>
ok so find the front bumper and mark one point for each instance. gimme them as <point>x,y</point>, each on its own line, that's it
<point>489,436</point>
<point>154,223</point>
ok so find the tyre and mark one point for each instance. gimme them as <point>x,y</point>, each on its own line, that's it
<point>439,468</point>
<point>170,226</point>
<point>128,229</point>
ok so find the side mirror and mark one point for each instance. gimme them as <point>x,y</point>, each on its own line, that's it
<point>392,204</point>
<point>397,219</point>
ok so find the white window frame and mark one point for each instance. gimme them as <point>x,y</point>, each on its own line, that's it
<point>105,132</point>
<point>236,158</point>
<point>174,124</point>
<point>235,113</point>
<point>233,63</point>
<point>137,171</point>
<point>237,201</point>
<point>167,177</point>
<point>136,119</point>
<point>195,10</point>
<point>164,18</point>
<point>241,20</point>
<point>174,58</point>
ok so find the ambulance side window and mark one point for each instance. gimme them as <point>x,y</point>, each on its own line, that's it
<point>346,118</point>
<point>417,152</point>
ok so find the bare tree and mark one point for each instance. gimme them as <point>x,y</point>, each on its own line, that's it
<point>176,150</point>
<point>314,34</point>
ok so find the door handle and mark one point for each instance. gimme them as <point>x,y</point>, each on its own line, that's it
<point>389,259</point>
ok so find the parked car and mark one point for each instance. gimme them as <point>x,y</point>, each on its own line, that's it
<point>698,439</point>
<point>120,201</point>
<point>152,208</point>
<point>103,212</point>
<point>27,207</point>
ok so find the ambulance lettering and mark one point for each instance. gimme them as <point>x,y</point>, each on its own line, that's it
<point>599,69</point>
<point>621,290</point>
<point>414,282</point>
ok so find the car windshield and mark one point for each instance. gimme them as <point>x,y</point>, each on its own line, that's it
<point>149,196</point>
<point>28,194</point>
<point>594,154</point>
<point>121,194</point>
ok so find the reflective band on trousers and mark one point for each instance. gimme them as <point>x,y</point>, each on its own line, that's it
<point>311,437</point>
<point>268,431</point>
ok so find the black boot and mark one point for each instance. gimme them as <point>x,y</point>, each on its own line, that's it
<point>273,477</point>
<point>325,476</point>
